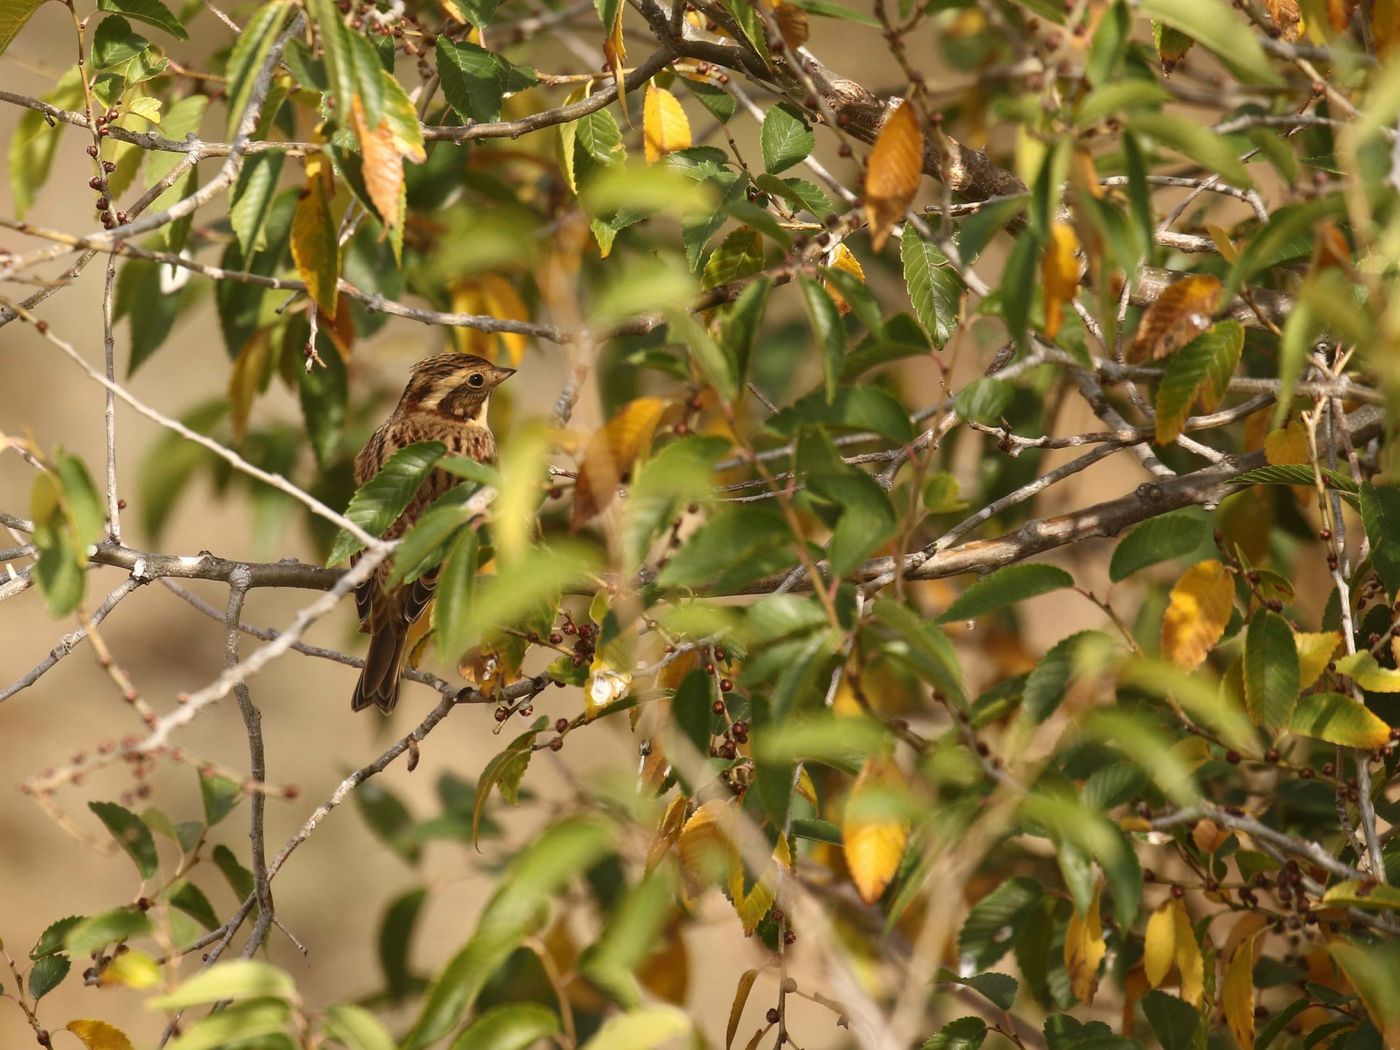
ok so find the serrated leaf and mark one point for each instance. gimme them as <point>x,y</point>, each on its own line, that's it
<point>1365,671</point>
<point>315,244</point>
<point>1046,685</point>
<point>1237,993</point>
<point>934,286</point>
<point>873,846</point>
<point>116,43</point>
<point>47,974</point>
<point>827,330</point>
<point>1213,24</point>
<point>99,1035</point>
<point>990,928</point>
<point>1183,311</point>
<point>1374,970</point>
<point>1157,540</point>
<point>1159,943</point>
<point>1197,611</point>
<point>473,80</point>
<point>966,1033</point>
<point>665,127</point>
<point>1314,653</point>
<point>98,931</point>
<point>1085,948</point>
<point>152,12</point>
<point>786,138</point>
<point>1380,513</point>
<point>1271,673</point>
<point>504,772</point>
<point>1006,586</point>
<point>1200,370</point>
<point>13,15</point>
<point>131,834</point>
<point>894,171</point>
<point>739,255</point>
<point>1339,719</point>
<point>51,941</point>
<point>380,500</point>
<point>248,57</point>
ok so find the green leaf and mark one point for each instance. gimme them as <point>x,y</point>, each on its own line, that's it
<point>840,742</point>
<point>395,936</point>
<point>991,925</point>
<point>1279,239</point>
<point>191,900</point>
<point>246,1024</point>
<point>235,979</point>
<point>512,1026</point>
<point>1175,1022</point>
<point>455,591</point>
<point>934,286</point>
<point>352,63</point>
<point>48,973</point>
<point>119,924</point>
<point>252,197</point>
<point>998,988</point>
<point>1199,143</point>
<point>517,590</point>
<point>1339,719</point>
<point>739,255</point>
<point>859,407</point>
<point>152,12</point>
<point>1299,474</point>
<point>740,323</point>
<point>926,648</point>
<point>473,80</point>
<point>737,545</point>
<point>786,138</point>
<point>115,43</point>
<point>324,393</point>
<point>248,57</point>
<point>1046,685</point>
<point>677,475</point>
<point>1018,279</point>
<point>984,399</point>
<point>357,1028</point>
<point>629,938</point>
<point>239,878</point>
<point>966,1033</point>
<point>1157,540</point>
<point>13,15</point>
<point>51,941</point>
<point>131,835</point>
<point>1380,513</point>
<point>505,771</point>
<point>378,503</point>
<point>721,104</point>
<point>1006,586</point>
<point>868,518</point>
<point>219,794</point>
<point>645,1028</point>
<point>1271,672</point>
<point>1200,369</point>
<point>34,142</point>
<point>388,818</point>
<point>827,330</point>
<point>1214,25</point>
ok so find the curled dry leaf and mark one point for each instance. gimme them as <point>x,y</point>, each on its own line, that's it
<point>1197,612</point>
<point>611,454</point>
<point>665,127</point>
<point>1286,15</point>
<point>873,845</point>
<point>1060,273</point>
<point>1181,313</point>
<point>792,23</point>
<point>842,258</point>
<point>892,178</point>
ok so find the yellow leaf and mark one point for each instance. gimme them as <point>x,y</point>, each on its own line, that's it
<point>792,23</point>
<point>706,849</point>
<point>132,969</point>
<point>252,369</point>
<point>315,244</point>
<point>753,905</point>
<point>1223,244</point>
<point>665,127</point>
<point>668,831</point>
<point>1237,995</point>
<point>1208,835</point>
<point>665,973</point>
<point>1085,948</point>
<point>1289,445</point>
<point>383,164</point>
<point>1159,947</point>
<point>1190,963</point>
<point>611,454</point>
<point>736,1011</point>
<point>1182,312</point>
<point>843,259</point>
<point>1060,273</point>
<point>1339,13</point>
<point>491,295</point>
<point>873,846</point>
<point>1385,25</point>
<point>892,177</point>
<point>1314,654</point>
<point>615,54</point>
<point>99,1035</point>
<point>1197,612</point>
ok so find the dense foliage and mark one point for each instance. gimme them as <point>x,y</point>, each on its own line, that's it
<point>841,348</point>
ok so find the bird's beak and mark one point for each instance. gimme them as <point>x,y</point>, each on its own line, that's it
<point>502,374</point>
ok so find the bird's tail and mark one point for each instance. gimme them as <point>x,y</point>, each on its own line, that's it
<point>379,681</point>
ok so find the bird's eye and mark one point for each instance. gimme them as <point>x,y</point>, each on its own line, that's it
<point>475,379</point>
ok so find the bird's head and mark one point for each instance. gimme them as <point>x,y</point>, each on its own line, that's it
<point>455,385</point>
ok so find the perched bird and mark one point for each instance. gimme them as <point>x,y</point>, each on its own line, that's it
<point>445,400</point>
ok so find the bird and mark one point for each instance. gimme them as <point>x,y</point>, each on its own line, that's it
<point>446,399</point>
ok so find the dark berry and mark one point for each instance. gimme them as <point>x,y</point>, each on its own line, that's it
<point>772,1015</point>
<point>561,725</point>
<point>725,685</point>
<point>556,744</point>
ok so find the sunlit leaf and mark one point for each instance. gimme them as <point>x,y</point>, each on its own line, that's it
<point>1197,612</point>
<point>894,171</point>
<point>1182,312</point>
<point>874,845</point>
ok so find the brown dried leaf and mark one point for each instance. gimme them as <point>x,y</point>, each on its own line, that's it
<point>792,24</point>
<point>665,127</point>
<point>1339,13</point>
<point>668,830</point>
<point>1287,17</point>
<point>610,455</point>
<point>1385,25</point>
<point>252,370</point>
<point>615,54</point>
<point>1237,994</point>
<point>896,166</point>
<point>1182,312</point>
<point>842,258</point>
<point>1331,252</point>
<point>873,847</point>
<point>741,997</point>
<point>1060,273</point>
<point>1197,612</point>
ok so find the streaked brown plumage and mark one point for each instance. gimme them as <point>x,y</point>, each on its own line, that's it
<point>445,400</point>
